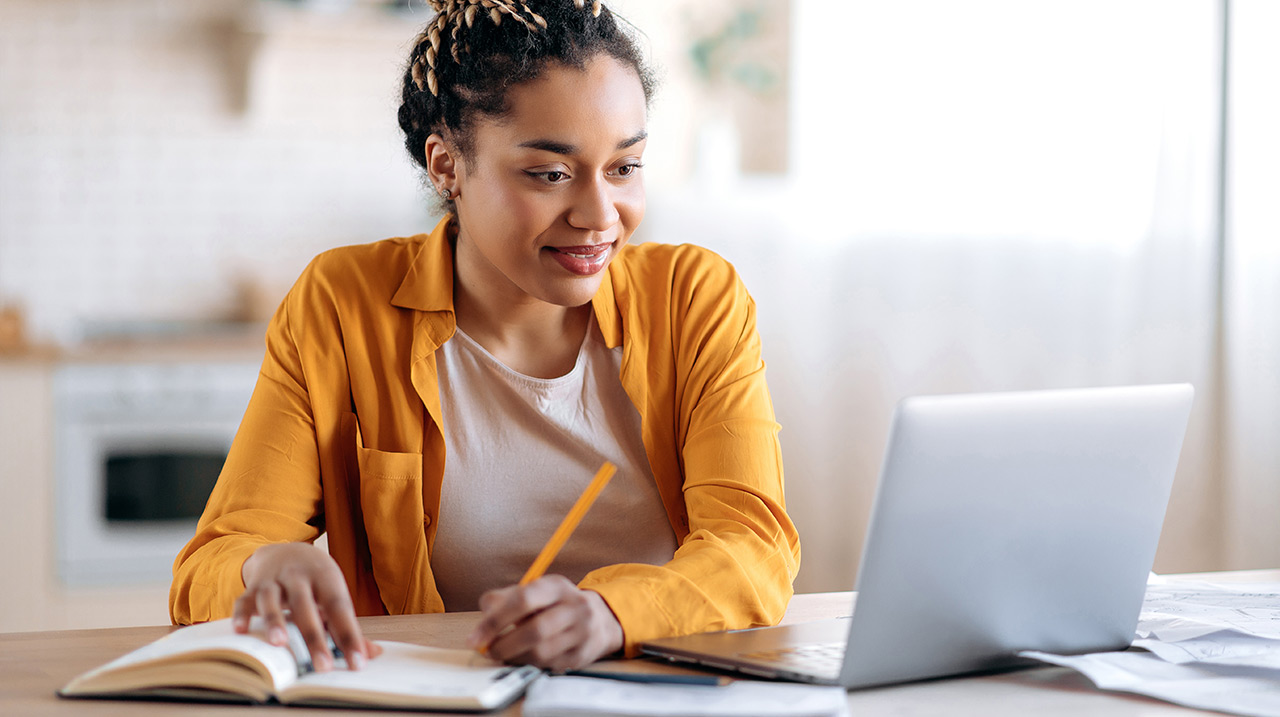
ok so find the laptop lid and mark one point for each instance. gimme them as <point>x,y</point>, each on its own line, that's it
<point>1002,522</point>
<point>1008,520</point>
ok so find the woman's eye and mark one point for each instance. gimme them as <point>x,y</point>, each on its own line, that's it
<point>627,170</point>
<point>554,176</point>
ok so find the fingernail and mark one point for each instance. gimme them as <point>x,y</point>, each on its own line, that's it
<point>276,636</point>
<point>355,660</point>
<point>323,663</point>
<point>473,640</point>
<point>240,624</point>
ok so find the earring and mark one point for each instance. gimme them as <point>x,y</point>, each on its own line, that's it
<point>445,194</point>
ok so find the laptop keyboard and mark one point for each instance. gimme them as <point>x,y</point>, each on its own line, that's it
<point>824,659</point>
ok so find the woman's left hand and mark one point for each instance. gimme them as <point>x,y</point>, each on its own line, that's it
<point>549,623</point>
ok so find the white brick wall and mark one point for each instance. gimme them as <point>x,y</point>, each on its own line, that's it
<point>148,163</point>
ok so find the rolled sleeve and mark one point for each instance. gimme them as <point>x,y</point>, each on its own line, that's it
<point>736,564</point>
<point>268,491</point>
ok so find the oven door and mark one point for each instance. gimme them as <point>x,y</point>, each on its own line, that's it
<point>135,463</point>
<point>139,492</point>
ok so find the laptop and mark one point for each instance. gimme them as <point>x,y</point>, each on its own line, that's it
<point>1002,522</point>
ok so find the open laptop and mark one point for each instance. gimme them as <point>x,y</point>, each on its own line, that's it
<point>1002,522</point>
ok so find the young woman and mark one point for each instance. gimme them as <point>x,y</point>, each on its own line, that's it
<point>435,404</point>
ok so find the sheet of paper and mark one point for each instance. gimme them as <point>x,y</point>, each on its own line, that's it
<point>1226,647</point>
<point>1210,646</point>
<point>575,696</point>
<point>1226,688</point>
<point>1174,610</point>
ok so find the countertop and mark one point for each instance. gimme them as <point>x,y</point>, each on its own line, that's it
<point>175,343</point>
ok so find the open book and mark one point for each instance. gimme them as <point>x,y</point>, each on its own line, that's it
<point>211,662</point>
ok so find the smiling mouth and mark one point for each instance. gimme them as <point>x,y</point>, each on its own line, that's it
<point>584,260</point>
<point>589,251</point>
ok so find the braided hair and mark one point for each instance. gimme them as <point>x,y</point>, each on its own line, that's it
<point>473,51</point>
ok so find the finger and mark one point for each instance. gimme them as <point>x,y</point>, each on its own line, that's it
<point>506,608</point>
<point>563,651</point>
<point>579,643</point>
<point>268,603</point>
<point>302,607</point>
<point>571,655</point>
<point>492,621</point>
<point>242,611</point>
<point>540,638</point>
<point>575,632</point>
<point>340,615</point>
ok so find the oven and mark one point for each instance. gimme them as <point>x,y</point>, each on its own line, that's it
<point>138,449</point>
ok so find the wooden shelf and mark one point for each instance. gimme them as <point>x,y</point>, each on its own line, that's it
<point>267,28</point>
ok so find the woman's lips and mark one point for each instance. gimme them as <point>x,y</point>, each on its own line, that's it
<point>583,260</point>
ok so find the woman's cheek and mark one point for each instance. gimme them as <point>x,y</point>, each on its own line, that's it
<point>531,209</point>
<point>631,208</point>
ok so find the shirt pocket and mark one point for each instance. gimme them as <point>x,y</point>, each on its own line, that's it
<point>393,516</point>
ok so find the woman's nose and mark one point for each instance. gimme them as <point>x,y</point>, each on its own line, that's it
<point>593,207</point>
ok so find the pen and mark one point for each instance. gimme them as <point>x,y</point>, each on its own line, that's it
<point>653,678</point>
<point>567,526</point>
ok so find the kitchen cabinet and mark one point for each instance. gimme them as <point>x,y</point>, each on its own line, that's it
<point>33,595</point>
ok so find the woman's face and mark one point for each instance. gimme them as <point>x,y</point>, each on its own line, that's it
<point>553,190</point>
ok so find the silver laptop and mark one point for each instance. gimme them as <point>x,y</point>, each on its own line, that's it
<point>1002,522</point>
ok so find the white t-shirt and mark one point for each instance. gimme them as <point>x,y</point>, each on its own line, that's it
<point>519,451</point>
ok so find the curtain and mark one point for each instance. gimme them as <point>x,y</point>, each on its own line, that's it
<point>990,195</point>
<point>1251,415</point>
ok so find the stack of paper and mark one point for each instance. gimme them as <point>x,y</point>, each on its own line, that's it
<point>1208,646</point>
<point>575,696</point>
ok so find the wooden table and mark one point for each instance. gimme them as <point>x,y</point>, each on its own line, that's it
<point>34,664</point>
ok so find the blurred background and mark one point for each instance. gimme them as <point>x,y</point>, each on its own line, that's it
<point>923,196</point>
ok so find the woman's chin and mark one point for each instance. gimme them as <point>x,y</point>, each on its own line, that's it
<point>574,292</point>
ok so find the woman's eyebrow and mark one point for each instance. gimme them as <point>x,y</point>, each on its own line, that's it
<point>551,145</point>
<point>634,139</point>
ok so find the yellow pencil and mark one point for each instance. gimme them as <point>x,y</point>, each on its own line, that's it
<point>570,522</point>
<point>567,526</point>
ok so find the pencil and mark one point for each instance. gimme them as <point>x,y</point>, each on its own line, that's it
<point>566,528</point>
<point>570,522</point>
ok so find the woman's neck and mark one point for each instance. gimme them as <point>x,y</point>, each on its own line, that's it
<point>529,336</point>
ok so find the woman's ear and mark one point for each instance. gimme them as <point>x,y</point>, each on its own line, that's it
<point>442,166</point>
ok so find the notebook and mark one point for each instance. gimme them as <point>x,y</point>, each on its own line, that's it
<point>1002,522</point>
<point>211,662</point>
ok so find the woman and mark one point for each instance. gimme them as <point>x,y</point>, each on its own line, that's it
<point>524,341</point>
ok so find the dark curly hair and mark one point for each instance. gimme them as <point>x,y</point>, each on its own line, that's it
<point>473,51</point>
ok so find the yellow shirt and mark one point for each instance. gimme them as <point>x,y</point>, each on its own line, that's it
<point>356,337</point>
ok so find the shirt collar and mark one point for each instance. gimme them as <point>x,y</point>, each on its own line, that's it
<point>428,284</point>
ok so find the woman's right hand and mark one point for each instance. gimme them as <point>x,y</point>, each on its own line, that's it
<point>303,579</point>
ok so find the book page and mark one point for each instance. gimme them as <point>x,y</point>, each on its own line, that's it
<point>407,675</point>
<point>209,656</point>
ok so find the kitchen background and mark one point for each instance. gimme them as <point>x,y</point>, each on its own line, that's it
<point>923,196</point>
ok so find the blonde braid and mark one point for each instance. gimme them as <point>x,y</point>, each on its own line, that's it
<point>423,69</point>
<point>595,6</point>
<point>455,46</point>
<point>510,9</point>
<point>456,13</point>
